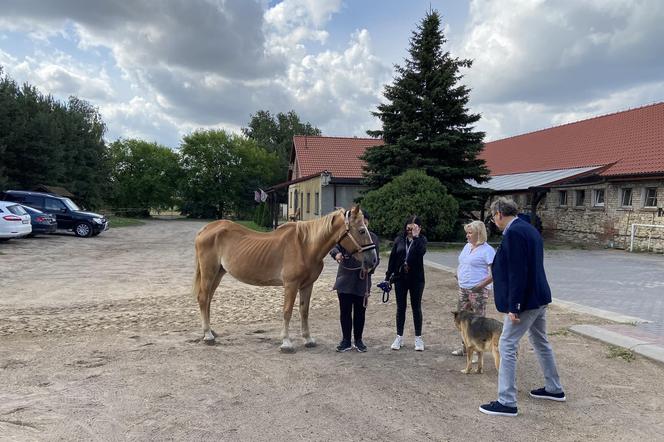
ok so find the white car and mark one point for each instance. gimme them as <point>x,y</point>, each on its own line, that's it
<point>14,221</point>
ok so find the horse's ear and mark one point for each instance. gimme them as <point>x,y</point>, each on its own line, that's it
<point>355,211</point>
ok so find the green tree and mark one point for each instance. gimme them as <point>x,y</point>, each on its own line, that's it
<point>274,133</point>
<point>43,141</point>
<point>411,193</point>
<point>143,176</point>
<point>426,123</point>
<point>83,151</point>
<point>221,172</point>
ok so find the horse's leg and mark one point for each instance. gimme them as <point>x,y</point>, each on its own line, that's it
<point>215,284</point>
<point>305,299</point>
<point>290,292</point>
<point>208,276</point>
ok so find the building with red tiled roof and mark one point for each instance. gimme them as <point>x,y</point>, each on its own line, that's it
<point>324,173</point>
<point>594,180</point>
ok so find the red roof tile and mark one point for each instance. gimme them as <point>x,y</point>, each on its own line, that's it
<point>633,140</point>
<point>338,155</point>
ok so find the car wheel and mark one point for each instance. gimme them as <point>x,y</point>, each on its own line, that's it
<point>83,230</point>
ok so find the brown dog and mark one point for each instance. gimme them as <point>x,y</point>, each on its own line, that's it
<point>479,334</point>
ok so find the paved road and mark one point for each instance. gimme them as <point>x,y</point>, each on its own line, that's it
<point>620,282</point>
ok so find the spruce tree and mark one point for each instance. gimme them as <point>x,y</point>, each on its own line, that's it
<point>426,122</point>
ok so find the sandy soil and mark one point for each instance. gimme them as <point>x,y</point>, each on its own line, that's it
<point>99,340</point>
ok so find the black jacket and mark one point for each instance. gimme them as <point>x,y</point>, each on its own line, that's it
<point>415,260</point>
<point>348,275</point>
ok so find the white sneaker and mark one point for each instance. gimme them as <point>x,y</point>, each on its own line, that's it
<point>398,342</point>
<point>419,343</point>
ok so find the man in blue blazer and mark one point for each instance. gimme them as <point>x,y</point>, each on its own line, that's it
<point>522,292</point>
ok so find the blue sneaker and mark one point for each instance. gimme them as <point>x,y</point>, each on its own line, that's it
<point>359,345</point>
<point>498,409</point>
<point>541,393</point>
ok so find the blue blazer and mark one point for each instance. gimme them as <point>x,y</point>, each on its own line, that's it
<point>519,281</point>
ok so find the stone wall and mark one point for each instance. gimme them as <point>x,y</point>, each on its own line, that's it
<point>606,225</point>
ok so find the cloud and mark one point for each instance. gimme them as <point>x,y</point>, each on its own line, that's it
<point>204,63</point>
<point>561,52</point>
<point>221,36</point>
<point>501,120</point>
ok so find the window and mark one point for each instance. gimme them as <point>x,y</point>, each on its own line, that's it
<point>626,197</point>
<point>308,202</point>
<point>53,204</point>
<point>316,203</point>
<point>529,199</point>
<point>650,197</point>
<point>562,198</point>
<point>580,198</point>
<point>598,197</point>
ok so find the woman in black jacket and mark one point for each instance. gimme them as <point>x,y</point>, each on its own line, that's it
<point>352,289</point>
<point>406,270</point>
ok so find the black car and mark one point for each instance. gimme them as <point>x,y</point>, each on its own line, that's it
<point>67,214</point>
<point>41,222</point>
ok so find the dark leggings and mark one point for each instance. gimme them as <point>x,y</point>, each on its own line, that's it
<point>416,289</point>
<point>349,320</point>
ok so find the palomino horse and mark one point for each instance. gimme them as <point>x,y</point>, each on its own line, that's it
<point>290,256</point>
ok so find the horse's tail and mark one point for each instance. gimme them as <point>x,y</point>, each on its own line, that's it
<point>196,287</point>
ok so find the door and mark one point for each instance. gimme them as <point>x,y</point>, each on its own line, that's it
<point>62,214</point>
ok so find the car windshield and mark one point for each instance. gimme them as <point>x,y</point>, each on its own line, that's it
<point>70,204</point>
<point>17,210</point>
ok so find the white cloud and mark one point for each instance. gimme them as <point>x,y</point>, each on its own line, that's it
<point>562,51</point>
<point>209,63</point>
<point>501,120</point>
<point>539,63</point>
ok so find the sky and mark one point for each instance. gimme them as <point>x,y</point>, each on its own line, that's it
<point>160,69</point>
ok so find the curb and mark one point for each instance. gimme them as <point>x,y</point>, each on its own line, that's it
<point>643,348</point>
<point>638,346</point>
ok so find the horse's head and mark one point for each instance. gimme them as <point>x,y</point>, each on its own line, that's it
<point>357,239</point>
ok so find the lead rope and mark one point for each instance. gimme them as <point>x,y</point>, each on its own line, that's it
<point>367,291</point>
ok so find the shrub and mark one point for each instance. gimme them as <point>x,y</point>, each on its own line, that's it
<point>413,192</point>
<point>262,215</point>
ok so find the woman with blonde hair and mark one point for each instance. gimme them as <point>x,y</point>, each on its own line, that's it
<point>474,272</point>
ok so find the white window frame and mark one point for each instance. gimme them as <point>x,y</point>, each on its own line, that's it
<point>645,197</point>
<point>596,193</point>
<point>562,198</point>
<point>623,191</point>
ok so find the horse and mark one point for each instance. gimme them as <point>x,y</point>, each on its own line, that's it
<point>290,256</point>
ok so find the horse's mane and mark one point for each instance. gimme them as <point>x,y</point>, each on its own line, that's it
<point>315,229</point>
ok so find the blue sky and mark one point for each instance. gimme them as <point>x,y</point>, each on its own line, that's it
<point>158,69</point>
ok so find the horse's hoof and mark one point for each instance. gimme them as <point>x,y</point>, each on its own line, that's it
<point>208,341</point>
<point>214,333</point>
<point>287,349</point>
<point>310,344</point>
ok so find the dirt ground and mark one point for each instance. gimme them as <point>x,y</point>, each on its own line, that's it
<point>100,340</point>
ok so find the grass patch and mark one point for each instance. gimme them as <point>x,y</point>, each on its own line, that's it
<point>253,226</point>
<point>120,221</point>
<point>619,352</point>
<point>560,332</point>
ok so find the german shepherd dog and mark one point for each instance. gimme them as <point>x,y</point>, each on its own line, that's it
<point>479,334</point>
